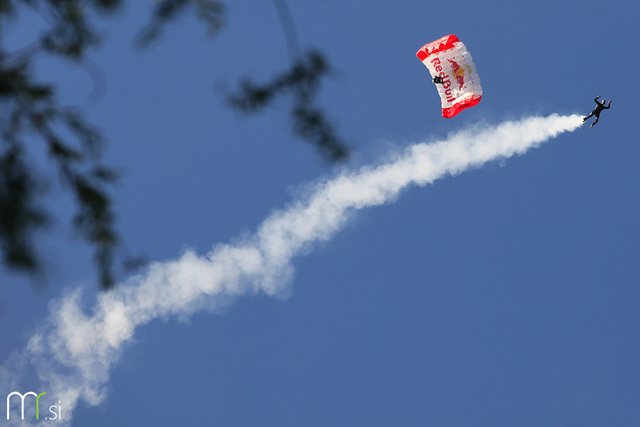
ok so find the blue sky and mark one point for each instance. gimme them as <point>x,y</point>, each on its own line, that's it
<point>506,295</point>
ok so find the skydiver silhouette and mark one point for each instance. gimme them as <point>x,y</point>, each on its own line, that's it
<point>596,111</point>
<point>438,79</point>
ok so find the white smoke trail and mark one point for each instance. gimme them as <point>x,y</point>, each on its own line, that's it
<point>73,352</point>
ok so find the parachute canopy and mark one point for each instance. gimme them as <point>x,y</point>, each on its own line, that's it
<point>449,58</point>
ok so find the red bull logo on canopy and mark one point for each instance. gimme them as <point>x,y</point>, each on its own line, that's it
<point>457,72</point>
<point>449,59</point>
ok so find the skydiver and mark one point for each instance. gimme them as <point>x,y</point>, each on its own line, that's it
<point>596,111</point>
<point>438,79</point>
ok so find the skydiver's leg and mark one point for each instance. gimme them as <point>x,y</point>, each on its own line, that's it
<point>597,118</point>
<point>586,118</point>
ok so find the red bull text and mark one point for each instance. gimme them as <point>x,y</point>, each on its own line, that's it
<point>446,84</point>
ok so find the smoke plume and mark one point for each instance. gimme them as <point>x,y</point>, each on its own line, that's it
<point>73,352</point>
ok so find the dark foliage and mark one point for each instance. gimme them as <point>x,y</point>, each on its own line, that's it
<point>35,115</point>
<point>302,82</point>
<point>33,118</point>
<point>211,12</point>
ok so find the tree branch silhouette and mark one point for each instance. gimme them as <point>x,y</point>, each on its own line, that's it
<point>74,146</point>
